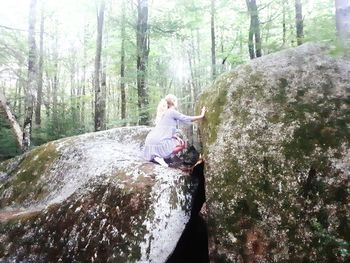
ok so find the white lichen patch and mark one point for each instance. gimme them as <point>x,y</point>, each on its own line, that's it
<point>165,222</point>
<point>92,157</point>
<point>342,163</point>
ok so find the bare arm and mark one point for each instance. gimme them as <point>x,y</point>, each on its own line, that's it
<point>199,117</point>
<point>186,118</point>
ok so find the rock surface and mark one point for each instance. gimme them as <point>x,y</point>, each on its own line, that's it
<point>276,142</point>
<point>91,198</point>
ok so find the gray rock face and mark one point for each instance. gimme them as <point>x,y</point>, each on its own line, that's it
<point>276,142</point>
<point>91,198</point>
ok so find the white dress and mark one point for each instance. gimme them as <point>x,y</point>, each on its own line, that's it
<point>161,141</point>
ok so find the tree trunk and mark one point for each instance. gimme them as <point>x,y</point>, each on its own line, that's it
<point>40,71</point>
<point>7,113</point>
<point>342,8</point>
<point>99,111</point>
<point>55,86</point>
<point>31,82</point>
<point>92,91</point>
<point>73,88</point>
<point>142,40</point>
<point>198,54</point>
<point>122,66</point>
<point>299,22</point>
<point>18,95</point>
<point>192,83</point>
<point>47,98</point>
<point>20,106</point>
<point>257,37</point>
<point>79,97</point>
<point>284,29</point>
<point>104,95</point>
<point>251,48</point>
<point>212,30</point>
<point>195,66</point>
<point>82,113</point>
<point>254,39</point>
<point>240,42</point>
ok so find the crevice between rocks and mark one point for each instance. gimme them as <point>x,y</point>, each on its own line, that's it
<point>193,243</point>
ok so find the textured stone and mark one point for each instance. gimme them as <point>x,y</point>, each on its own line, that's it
<point>91,198</point>
<point>276,144</point>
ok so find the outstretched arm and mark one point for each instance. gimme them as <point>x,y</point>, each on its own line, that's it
<point>199,117</point>
<point>188,119</point>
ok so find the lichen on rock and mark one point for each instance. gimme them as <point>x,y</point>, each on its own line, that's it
<point>24,178</point>
<point>92,198</point>
<point>277,163</point>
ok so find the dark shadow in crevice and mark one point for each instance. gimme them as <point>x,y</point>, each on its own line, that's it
<point>193,244</point>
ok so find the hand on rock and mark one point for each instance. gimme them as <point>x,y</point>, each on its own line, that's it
<point>204,110</point>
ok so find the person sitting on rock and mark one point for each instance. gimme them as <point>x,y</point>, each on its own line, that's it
<point>161,142</point>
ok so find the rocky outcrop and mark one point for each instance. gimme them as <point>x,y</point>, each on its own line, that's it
<point>276,142</point>
<point>91,198</point>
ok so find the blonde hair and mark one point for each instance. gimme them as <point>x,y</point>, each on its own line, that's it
<point>164,104</point>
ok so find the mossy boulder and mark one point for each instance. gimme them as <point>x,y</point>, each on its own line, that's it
<point>277,146</point>
<point>91,198</point>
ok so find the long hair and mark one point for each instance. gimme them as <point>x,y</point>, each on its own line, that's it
<point>163,105</point>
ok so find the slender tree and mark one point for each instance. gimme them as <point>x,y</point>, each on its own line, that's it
<point>55,84</point>
<point>198,55</point>
<point>212,30</point>
<point>284,29</point>
<point>193,65</point>
<point>32,79</point>
<point>7,113</point>
<point>342,8</point>
<point>19,87</point>
<point>99,98</point>
<point>40,70</point>
<point>48,98</point>
<point>104,92</point>
<point>122,65</point>
<point>299,22</point>
<point>254,39</point>
<point>72,64</point>
<point>142,41</point>
<point>84,81</point>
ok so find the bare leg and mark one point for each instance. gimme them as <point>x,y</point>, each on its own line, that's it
<point>179,146</point>
<point>160,161</point>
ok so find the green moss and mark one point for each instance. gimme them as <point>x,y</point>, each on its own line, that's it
<point>3,166</point>
<point>233,172</point>
<point>327,129</point>
<point>9,165</point>
<point>25,176</point>
<point>129,186</point>
<point>281,96</point>
<point>215,100</point>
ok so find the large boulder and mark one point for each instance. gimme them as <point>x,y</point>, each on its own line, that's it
<point>276,142</point>
<point>91,198</point>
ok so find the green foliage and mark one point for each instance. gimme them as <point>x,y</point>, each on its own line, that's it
<point>320,23</point>
<point>13,47</point>
<point>9,147</point>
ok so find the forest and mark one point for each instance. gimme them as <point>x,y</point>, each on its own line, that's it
<point>71,67</point>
